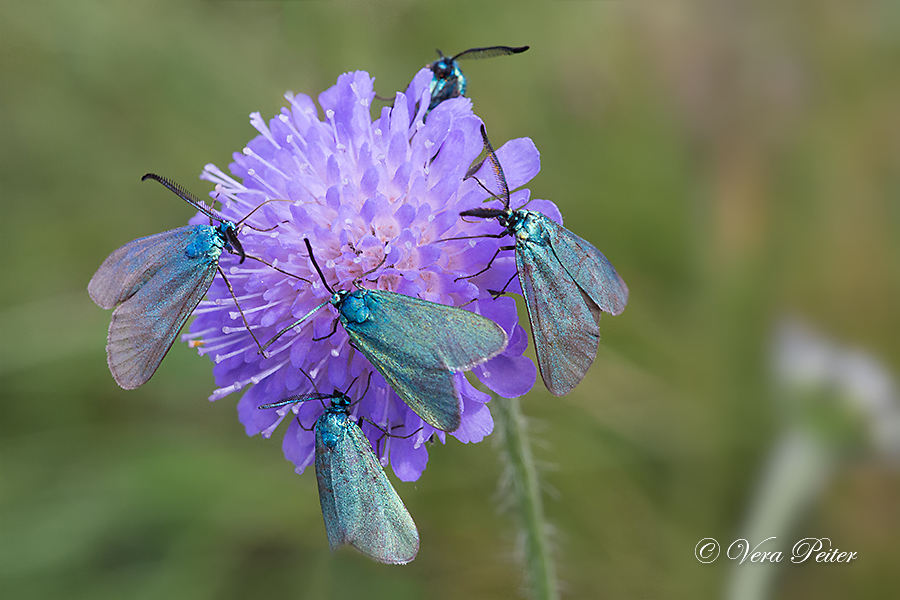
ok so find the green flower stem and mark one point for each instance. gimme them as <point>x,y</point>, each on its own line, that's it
<point>538,561</point>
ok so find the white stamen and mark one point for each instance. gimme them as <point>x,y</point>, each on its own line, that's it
<point>235,315</point>
<point>220,357</point>
<point>228,330</point>
<point>257,378</point>
<point>197,334</point>
<point>260,125</point>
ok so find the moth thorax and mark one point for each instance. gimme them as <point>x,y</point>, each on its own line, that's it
<point>529,227</point>
<point>206,242</point>
<point>353,307</point>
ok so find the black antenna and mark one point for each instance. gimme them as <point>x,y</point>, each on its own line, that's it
<point>495,165</point>
<point>474,169</point>
<point>296,398</point>
<point>489,51</point>
<point>185,195</point>
<point>316,265</point>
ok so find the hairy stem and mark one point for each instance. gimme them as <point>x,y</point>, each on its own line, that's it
<point>538,561</point>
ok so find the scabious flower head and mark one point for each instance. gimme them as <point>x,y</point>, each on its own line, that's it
<point>373,196</point>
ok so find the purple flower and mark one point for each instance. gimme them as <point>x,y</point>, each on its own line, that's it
<point>366,193</point>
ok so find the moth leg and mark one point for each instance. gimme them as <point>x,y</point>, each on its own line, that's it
<point>385,99</point>
<point>365,391</point>
<point>495,294</point>
<point>473,237</point>
<point>243,317</point>
<point>270,265</point>
<point>263,230</point>
<point>385,433</point>
<point>490,262</point>
<point>300,423</point>
<point>333,331</point>
<point>368,382</point>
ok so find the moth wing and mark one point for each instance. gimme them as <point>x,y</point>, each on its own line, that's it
<point>417,345</point>
<point>590,269</point>
<point>445,89</point>
<point>364,509</point>
<point>429,391</point>
<point>127,269</point>
<point>564,321</point>
<point>145,326</point>
<point>334,527</point>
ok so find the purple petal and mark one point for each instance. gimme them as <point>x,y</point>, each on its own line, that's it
<point>383,195</point>
<point>547,208</point>
<point>407,461</point>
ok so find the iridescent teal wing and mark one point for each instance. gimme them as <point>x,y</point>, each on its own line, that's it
<point>418,345</point>
<point>360,506</point>
<point>157,282</point>
<point>131,266</point>
<point>564,321</point>
<point>590,269</point>
<point>566,284</point>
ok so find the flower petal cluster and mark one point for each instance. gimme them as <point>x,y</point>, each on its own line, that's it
<point>376,199</point>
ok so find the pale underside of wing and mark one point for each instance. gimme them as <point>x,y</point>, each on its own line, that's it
<point>590,269</point>
<point>564,320</point>
<point>145,326</point>
<point>359,504</point>
<point>418,345</point>
<point>127,269</point>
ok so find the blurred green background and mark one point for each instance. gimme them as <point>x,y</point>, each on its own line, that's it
<point>734,160</point>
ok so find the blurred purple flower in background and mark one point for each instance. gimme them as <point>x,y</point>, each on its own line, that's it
<point>363,192</point>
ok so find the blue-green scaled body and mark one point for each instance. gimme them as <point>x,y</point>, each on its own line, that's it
<point>417,346</point>
<point>154,284</point>
<point>448,80</point>
<point>566,282</point>
<point>359,504</point>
